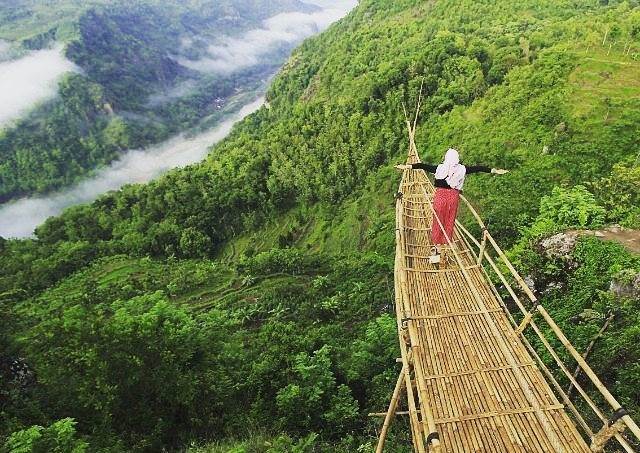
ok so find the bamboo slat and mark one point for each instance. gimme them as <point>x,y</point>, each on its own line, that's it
<point>475,386</point>
<point>472,379</point>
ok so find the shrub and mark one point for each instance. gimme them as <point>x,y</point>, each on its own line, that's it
<point>287,260</point>
<point>60,437</point>
<point>571,208</point>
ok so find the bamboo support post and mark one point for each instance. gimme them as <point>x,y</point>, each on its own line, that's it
<point>525,322</point>
<point>391,411</point>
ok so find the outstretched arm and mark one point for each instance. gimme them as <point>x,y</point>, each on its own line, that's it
<point>418,166</point>
<point>485,169</point>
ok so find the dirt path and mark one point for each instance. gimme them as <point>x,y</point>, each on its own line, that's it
<point>629,238</point>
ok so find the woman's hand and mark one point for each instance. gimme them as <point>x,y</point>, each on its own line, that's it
<point>403,167</point>
<point>499,171</point>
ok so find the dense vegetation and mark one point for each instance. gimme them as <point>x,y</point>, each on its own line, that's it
<point>249,296</point>
<point>128,54</point>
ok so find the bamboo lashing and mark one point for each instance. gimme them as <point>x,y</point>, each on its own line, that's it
<point>473,381</point>
<point>607,432</point>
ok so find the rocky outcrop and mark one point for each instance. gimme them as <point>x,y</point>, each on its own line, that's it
<point>560,246</point>
<point>626,284</point>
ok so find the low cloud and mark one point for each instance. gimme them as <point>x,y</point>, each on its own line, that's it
<point>282,30</point>
<point>29,80</point>
<point>19,218</point>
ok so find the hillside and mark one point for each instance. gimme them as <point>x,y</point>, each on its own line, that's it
<point>245,303</point>
<point>33,22</point>
<point>136,78</point>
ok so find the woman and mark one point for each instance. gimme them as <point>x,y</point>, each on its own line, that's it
<point>449,178</point>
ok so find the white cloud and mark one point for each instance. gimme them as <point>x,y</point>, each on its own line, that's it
<point>19,218</point>
<point>29,80</point>
<point>286,29</point>
<point>35,75</point>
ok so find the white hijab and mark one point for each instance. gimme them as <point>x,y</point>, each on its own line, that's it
<point>451,170</point>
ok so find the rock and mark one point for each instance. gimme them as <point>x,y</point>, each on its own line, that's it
<point>626,284</point>
<point>552,286</point>
<point>559,245</point>
<point>528,280</point>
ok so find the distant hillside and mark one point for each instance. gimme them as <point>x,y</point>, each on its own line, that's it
<point>245,303</point>
<point>36,22</point>
<point>129,54</point>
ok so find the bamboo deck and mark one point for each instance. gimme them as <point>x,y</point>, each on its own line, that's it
<point>468,376</point>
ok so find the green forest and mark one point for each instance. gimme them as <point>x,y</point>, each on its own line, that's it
<point>245,303</point>
<point>126,53</point>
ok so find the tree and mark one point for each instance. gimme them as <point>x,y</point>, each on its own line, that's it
<point>193,243</point>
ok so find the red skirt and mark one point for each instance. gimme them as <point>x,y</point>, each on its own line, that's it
<point>445,206</point>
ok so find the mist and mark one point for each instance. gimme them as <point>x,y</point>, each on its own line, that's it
<point>36,73</point>
<point>18,219</point>
<point>29,80</point>
<point>286,29</point>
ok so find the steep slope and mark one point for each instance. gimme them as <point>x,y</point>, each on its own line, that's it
<point>133,83</point>
<point>297,203</point>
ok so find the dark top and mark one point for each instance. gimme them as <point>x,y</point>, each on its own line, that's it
<point>443,182</point>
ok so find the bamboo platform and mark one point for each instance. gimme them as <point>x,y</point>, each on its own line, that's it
<point>470,379</point>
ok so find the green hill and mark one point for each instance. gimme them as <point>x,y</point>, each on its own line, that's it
<point>247,300</point>
<point>127,54</point>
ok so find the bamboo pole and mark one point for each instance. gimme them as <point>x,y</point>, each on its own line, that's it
<point>630,423</point>
<point>592,343</point>
<point>508,354</point>
<point>526,342</point>
<point>391,411</point>
<point>427,417</point>
<point>555,356</point>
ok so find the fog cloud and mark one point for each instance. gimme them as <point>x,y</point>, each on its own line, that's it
<point>5,47</point>
<point>19,218</point>
<point>28,80</point>
<point>286,29</point>
<point>35,77</point>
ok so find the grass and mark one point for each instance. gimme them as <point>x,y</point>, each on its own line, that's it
<point>603,83</point>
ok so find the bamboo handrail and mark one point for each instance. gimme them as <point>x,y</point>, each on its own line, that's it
<point>473,380</point>
<point>558,361</point>
<point>582,364</point>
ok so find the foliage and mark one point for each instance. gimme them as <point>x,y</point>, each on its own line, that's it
<point>619,194</point>
<point>128,53</point>
<point>288,260</point>
<point>60,437</point>
<point>574,208</point>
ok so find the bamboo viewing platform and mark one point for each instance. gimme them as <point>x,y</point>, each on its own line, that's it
<point>470,379</point>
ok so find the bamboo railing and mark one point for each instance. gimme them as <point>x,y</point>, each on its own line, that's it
<point>473,380</point>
